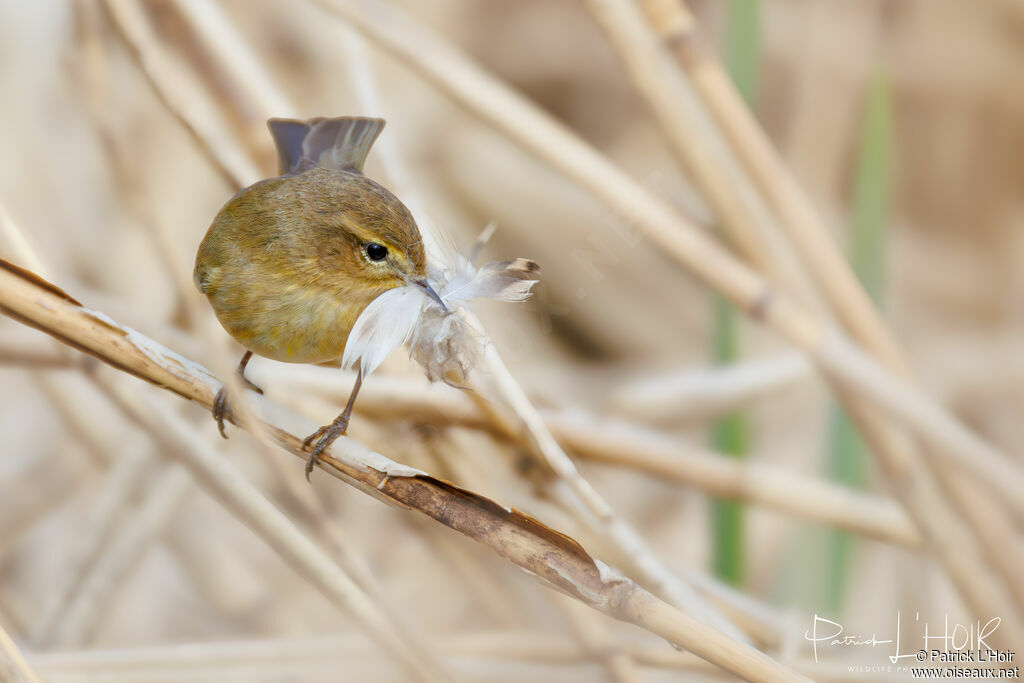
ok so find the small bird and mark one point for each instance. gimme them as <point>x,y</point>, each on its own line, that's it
<point>290,262</point>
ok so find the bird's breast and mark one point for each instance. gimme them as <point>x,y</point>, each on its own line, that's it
<point>288,322</point>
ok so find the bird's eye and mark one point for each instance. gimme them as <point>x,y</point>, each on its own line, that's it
<point>376,252</point>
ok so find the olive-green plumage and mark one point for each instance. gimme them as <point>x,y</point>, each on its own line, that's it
<point>289,263</point>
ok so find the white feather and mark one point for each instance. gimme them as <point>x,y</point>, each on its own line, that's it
<point>492,281</point>
<point>384,325</point>
<point>439,338</point>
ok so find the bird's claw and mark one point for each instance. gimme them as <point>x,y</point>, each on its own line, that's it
<point>251,385</point>
<point>220,406</point>
<point>320,440</point>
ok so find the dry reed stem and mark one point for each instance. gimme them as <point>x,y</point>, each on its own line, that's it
<point>13,666</point>
<point>632,548</point>
<point>940,526</point>
<point>809,498</point>
<point>842,361</point>
<point>177,92</point>
<point>629,445</point>
<point>82,614</point>
<point>708,392</point>
<point>42,358</point>
<point>736,208</point>
<point>772,627</point>
<point>121,484</point>
<point>597,640</point>
<point>332,651</point>
<point>295,657</point>
<point>677,27</point>
<point>552,557</point>
<point>26,505</point>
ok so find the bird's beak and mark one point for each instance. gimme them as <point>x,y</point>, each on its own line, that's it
<point>425,286</point>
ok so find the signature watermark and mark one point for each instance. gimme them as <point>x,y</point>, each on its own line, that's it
<point>950,643</point>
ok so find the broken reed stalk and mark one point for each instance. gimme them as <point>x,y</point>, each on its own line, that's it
<point>952,524</point>
<point>585,501</point>
<point>856,375</point>
<point>552,557</point>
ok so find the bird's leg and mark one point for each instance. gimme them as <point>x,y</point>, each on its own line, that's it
<point>325,436</point>
<point>220,402</point>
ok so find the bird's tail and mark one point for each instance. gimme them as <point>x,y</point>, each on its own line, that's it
<point>340,143</point>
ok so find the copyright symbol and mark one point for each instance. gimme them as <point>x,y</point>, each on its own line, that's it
<point>921,655</point>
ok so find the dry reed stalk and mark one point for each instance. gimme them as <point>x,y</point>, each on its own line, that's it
<point>597,640</point>
<point>248,79</point>
<point>25,506</point>
<point>708,392</point>
<point>951,537</point>
<point>809,498</point>
<point>843,362</point>
<point>321,656</point>
<point>677,26</point>
<point>628,445</point>
<point>550,556</point>
<point>500,645</point>
<point>121,484</point>
<point>774,628</point>
<point>77,620</point>
<point>584,499</point>
<point>14,667</point>
<point>43,358</point>
<point>735,208</point>
<point>177,92</point>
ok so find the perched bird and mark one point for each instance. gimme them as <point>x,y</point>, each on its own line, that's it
<point>290,265</point>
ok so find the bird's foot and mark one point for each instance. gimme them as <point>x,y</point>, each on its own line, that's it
<point>321,439</point>
<point>221,408</point>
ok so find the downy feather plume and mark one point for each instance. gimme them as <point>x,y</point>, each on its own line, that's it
<point>439,338</point>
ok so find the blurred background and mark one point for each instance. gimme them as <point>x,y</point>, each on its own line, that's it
<point>903,121</point>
